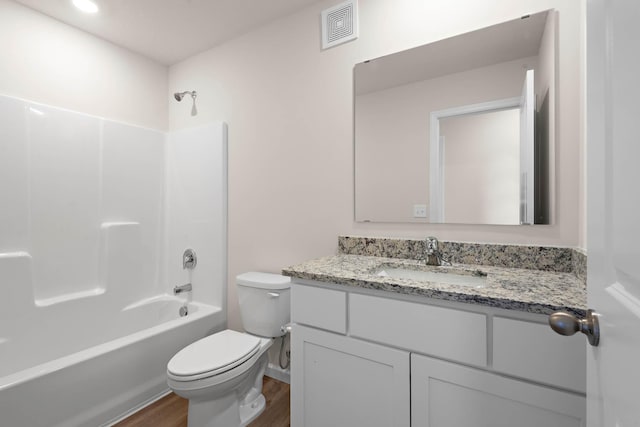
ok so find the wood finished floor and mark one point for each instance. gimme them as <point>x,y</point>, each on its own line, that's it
<point>171,411</point>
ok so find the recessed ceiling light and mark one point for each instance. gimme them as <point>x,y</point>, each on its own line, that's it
<point>86,6</point>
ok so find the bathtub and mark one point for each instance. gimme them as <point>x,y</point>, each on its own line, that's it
<point>93,372</point>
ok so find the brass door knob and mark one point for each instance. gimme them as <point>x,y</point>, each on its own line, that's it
<point>567,324</point>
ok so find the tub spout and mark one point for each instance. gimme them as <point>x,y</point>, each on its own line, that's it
<point>182,288</point>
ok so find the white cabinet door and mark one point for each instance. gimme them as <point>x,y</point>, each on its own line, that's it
<point>444,394</point>
<point>343,382</point>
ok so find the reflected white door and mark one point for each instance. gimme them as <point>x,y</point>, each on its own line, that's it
<point>613,113</point>
<point>527,138</point>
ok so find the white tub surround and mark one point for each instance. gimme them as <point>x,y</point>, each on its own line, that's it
<point>95,217</point>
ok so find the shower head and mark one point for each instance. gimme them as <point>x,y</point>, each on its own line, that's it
<point>179,95</point>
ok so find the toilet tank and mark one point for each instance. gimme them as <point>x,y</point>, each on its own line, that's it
<point>264,302</point>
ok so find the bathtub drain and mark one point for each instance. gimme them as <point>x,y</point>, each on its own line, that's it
<point>184,310</point>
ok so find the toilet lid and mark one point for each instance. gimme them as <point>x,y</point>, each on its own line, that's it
<point>214,354</point>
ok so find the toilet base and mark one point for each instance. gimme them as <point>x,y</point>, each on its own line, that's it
<point>221,412</point>
<point>252,410</point>
<point>224,412</point>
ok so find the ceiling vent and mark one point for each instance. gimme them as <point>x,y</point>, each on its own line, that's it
<point>340,24</point>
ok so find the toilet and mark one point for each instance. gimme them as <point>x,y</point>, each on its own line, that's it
<point>221,374</point>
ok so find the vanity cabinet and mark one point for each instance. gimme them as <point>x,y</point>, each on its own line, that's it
<point>360,359</point>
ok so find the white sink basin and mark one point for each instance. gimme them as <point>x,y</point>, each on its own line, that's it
<point>448,278</point>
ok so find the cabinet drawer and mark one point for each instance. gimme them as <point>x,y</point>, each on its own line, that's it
<point>322,308</point>
<point>533,351</point>
<point>442,332</point>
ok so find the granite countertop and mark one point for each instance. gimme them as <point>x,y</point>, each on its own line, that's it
<point>519,289</point>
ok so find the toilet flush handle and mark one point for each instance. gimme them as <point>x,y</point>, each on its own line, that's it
<point>273,294</point>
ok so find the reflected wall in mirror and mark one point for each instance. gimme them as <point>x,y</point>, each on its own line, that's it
<point>460,130</point>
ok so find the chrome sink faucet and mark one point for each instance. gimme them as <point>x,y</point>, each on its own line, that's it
<point>182,288</point>
<point>432,254</point>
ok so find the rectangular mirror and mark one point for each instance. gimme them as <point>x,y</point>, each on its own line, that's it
<point>460,130</point>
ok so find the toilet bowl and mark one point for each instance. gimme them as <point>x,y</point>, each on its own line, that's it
<point>221,374</point>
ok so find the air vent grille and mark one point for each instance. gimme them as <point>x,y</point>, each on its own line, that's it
<point>339,24</point>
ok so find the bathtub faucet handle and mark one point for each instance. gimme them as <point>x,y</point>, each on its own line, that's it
<point>189,259</point>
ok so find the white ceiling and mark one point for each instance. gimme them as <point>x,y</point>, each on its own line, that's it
<point>169,31</point>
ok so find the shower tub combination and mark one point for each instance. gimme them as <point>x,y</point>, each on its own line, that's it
<point>61,374</point>
<point>91,247</point>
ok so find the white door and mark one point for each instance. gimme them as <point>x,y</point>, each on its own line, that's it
<point>613,141</point>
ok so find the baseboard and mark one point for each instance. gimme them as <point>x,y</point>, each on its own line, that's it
<point>138,408</point>
<point>277,373</point>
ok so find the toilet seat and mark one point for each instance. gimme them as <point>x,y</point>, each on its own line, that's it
<point>213,355</point>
